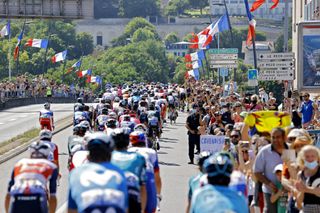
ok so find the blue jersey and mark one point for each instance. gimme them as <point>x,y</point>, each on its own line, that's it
<point>194,183</point>
<point>134,167</point>
<point>218,199</point>
<point>101,186</point>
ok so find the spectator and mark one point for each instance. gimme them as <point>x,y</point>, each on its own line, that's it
<point>308,179</point>
<point>307,111</point>
<point>267,159</point>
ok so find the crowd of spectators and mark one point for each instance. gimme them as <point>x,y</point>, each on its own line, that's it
<point>275,151</point>
<point>26,87</point>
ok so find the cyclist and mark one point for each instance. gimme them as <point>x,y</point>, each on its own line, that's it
<point>98,186</point>
<point>80,115</point>
<point>194,181</point>
<point>138,142</point>
<point>28,187</point>
<point>111,125</point>
<point>134,167</point>
<point>79,103</point>
<point>154,125</point>
<point>46,118</point>
<point>46,137</point>
<point>216,195</point>
<point>101,120</point>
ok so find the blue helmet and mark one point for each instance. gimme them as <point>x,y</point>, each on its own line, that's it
<point>220,164</point>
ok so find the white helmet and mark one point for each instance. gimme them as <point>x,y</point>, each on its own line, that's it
<point>47,106</point>
<point>45,134</point>
<point>39,149</point>
<point>99,138</point>
<point>141,127</point>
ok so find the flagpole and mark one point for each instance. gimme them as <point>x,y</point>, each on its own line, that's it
<point>10,52</point>
<point>46,52</point>
<point>254,57</point>
<point>17,61</point>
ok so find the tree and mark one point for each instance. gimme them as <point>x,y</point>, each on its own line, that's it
<point>84,45</point>
<point>138,8</point>
<point>176,7</point>
<point>142,34</point>
<point>171,38</point>
<point>199,4</point>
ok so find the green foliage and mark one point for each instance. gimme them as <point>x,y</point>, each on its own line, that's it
<point>142,34</point>
<point>31,60</point>
<point>199,4</point>
<point>138,8</point>
<point>171,38</point>
<point>176,7</point>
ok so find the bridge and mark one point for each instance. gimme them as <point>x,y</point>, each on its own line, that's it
<point>47,9</point>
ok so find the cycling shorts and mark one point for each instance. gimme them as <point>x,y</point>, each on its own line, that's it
<point>34,203</point>
<point>46,122</point>
<point>113,209</point>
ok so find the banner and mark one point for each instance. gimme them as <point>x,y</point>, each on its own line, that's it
<point>211,143</point>
<point>311,57</point>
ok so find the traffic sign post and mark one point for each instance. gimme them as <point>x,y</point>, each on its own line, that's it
<point>223,66</point>
<point>223,58</point>
<point>276,67</point>
<point>223,51</point>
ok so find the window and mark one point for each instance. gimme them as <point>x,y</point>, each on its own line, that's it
<point>99,40</point>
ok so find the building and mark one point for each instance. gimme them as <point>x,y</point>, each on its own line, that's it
<point>237,8</point>
<point>261,47</point>
<point>307,57</point>
<point>177,49</point>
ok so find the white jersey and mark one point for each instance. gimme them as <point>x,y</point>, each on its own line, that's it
<point>150,156</point>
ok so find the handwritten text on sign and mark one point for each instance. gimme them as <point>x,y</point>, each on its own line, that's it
<point>211,143</point>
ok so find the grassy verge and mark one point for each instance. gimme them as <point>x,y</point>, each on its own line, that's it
<point>18,140</point>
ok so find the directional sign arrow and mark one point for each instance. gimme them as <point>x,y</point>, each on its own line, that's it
<point>276,56</point>
<point>277,64</point>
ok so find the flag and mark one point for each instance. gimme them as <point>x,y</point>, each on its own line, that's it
<point>221,25</point>
<point>275,4</point>
<point>256,4</point>
<point>194,73</point>
<point>196,64</point>
<point>195,41</point>
<point>39,43</point>
<point>84,73</point>
<point>194,56</point>
<point>5,31</point>
<point>189,65</point>
<point>95,79</point>
<point>61,56</point>
<point>252,25</point>
<point>76,66</point>
<point>17,49</point>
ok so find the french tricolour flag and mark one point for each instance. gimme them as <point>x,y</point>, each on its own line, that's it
<point>252,25</point>
<point>39,43</point>
<point>194,56</point>
<point>194,73</point>
<point>84,73</point>
<point>59,56</point>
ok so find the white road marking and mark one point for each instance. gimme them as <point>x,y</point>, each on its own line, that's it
<point>1,123</point>
<point>62,208</point>
<point>13,119</point>
<point>23,116</point>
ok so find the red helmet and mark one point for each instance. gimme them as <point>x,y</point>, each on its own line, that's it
<point>137,137</point>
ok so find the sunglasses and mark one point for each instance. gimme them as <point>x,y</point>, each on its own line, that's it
<point>291,139</point>
<point>234,136</point>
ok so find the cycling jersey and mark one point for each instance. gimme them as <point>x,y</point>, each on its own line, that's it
<point>194,183</point>
<point>134,167</point>
<point>98,186</point>
<point>217,199</point>
<point>54,153</point>
<point>153,118</point>
<point>151,158</point>
<point>30,176</point>
<point>80,114</point>
<point>171,100</point>
<point>46,119</point>
<point>101,120</point>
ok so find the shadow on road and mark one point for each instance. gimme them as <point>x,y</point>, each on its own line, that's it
<point>162,153</point>
<point>168,164</point>
<point>166,147</point>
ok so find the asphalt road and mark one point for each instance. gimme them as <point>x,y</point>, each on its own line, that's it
<point>18,120</point>
<point>173,159</point>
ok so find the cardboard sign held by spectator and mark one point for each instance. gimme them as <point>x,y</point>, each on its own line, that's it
<point>211,143</point>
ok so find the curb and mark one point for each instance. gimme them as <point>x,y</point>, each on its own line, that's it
<point>61,125</point>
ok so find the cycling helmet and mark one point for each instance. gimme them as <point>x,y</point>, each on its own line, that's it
<point>47,106</point>
<point>137,137</point>
<point>80,108</point>
<point>104,111</point>
<point>45,134</point>
<point>113,115</point>
<point>99,139</point>
<point>84,126</point>
<point>141,128</point>
<point>111,123</point>
<point>39,149</point>
<point>220,164</point>
<point>80,100</point>
<point>120,137</point>
<point>116,99</point>
<point>123,103</point>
